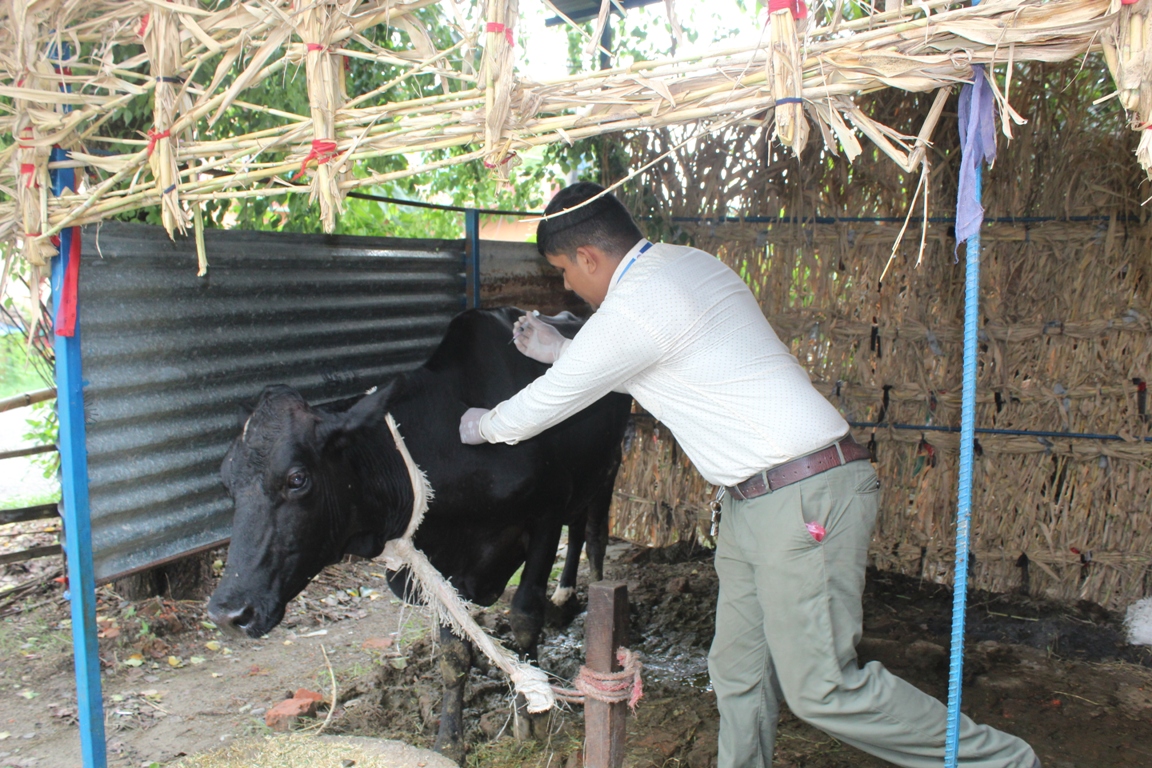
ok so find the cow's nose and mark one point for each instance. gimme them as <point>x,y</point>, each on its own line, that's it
<point>235,620</point>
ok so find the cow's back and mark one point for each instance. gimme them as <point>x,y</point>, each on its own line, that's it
<point>478,359</point>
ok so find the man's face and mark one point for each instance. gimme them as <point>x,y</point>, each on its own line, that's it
<point>588,275</point>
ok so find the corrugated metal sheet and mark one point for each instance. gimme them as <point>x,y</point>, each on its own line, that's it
<point>515,274</point>
<point>168,357</point>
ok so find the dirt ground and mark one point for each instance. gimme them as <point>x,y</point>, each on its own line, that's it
<point>1059,676</point>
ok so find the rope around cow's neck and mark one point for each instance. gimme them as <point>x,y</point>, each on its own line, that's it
<point>446,602</point>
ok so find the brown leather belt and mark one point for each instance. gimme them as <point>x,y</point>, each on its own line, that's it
<point>846,450</point>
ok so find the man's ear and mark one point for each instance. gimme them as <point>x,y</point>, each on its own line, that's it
<point>586,259</point>
<point>367,411</point>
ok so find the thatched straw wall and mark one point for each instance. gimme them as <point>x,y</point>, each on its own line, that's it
<point>1065,340</point>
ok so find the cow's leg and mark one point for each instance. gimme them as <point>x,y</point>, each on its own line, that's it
<point>597,528</point>
<point>564,606</point>
<point>527,617</point>
<point>455,661</point>
<point>566,589</point>
<point>527,613</point>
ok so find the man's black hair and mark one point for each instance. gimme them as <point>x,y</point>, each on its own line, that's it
<point>604,223</point>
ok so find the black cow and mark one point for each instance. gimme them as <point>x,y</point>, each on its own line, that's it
<point>311,485</point>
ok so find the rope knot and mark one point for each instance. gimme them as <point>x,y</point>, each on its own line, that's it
<point>508,158</point>
<point>155,136</point>
<point>608,687</point>
<point>322,151</point>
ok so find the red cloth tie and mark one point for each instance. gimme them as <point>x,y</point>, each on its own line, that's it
<point>155,136</point>
<point>506,159</point>
<point>323,150</point>
<point>497,27</point>
<point>798,8</point>
<point>314,46</point>
<point>66,315</point>
<point>30,169</point>
<point>144,24</point>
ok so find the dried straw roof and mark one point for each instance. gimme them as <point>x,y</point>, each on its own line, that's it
<point>794,76</point>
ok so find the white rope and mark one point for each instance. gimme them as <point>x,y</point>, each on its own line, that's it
<point>446,602</point>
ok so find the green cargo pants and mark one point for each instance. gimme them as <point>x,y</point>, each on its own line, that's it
<point>787,623</point>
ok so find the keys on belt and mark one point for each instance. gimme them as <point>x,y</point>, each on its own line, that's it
<point>716,506</point>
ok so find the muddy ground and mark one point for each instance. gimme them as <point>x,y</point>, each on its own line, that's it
<point>1059,676</point>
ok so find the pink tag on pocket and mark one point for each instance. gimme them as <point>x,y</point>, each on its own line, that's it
<point>816,530</point>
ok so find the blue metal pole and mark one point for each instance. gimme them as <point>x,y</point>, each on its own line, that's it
<point>964,498</point>
<point>75,511</point>
<point>472,235</point>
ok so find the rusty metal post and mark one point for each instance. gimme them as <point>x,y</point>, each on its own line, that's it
<point>607,630</point>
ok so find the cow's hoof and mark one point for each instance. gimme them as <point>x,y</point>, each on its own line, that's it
<point>453,748</point>
<point>528,726</point>
<point>560,616</point>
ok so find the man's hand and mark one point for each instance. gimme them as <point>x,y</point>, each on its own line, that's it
<point>538,340</point>
<point>470,426</point>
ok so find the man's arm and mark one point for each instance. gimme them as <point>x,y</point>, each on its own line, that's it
<point>609,350</point>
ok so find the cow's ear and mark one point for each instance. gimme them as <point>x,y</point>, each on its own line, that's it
<point>242,414</point>
<point>366,412</point>
<point>226,467</point>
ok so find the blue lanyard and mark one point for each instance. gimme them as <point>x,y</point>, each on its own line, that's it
<point>629,266</point>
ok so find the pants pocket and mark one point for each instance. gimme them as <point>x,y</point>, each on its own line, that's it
<point>869,484</point>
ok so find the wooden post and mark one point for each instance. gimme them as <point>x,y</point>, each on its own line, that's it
<point>607,630</point>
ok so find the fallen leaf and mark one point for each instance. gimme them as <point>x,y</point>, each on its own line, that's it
<point>212,645</point>
<point>4,735</point>
<point>197,660</point>
<point>207,625</point>
<point>134,660</point>
<point>28,693</point>
<point>175,662</point>
<point>398,663</point>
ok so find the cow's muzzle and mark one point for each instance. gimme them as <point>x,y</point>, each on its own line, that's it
<point>235,620</point>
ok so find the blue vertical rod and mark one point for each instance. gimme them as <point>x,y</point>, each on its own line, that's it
<point>75,512</point>
<point>472,236</point>
<point>964,497</point>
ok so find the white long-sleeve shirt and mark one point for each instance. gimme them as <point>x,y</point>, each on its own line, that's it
<point>684,335</point>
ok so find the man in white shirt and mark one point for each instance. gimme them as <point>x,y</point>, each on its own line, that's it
<point>683,334</point>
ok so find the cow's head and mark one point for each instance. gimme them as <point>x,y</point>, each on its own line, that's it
<point>308,488</point>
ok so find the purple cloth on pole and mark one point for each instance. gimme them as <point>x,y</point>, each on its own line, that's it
<point>977,143</point>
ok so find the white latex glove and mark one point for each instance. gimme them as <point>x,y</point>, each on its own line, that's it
<point>470,426</point>
<point>538,340</point>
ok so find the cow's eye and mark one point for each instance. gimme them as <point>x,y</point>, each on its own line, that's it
<point>297,479</point>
